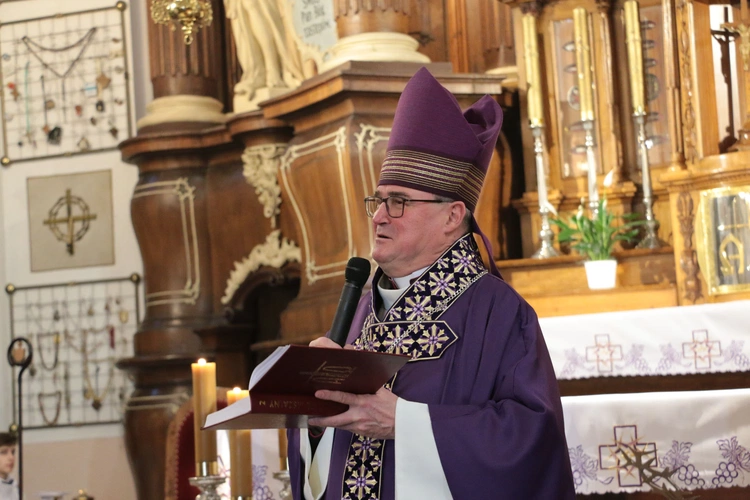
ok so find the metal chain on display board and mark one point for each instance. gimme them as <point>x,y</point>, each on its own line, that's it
<point>78,331</point>
<point>65,84</point>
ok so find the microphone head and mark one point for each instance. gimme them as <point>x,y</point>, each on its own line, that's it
<point>357,271</point>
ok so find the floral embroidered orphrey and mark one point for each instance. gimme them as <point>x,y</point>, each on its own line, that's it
<point>411,326</point>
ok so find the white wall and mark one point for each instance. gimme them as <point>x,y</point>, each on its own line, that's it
<point>86,457</point>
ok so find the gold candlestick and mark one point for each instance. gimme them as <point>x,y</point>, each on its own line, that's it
<point>204,402</point>
<point>533,76</point>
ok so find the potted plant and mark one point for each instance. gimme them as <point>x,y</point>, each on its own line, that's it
<point>595,238</point>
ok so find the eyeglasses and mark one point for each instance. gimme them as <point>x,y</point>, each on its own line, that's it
<point>394,205</point>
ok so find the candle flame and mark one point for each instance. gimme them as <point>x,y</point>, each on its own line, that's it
<point>202,361</point>
<point>236,390</point>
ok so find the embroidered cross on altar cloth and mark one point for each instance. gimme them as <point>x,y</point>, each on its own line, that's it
<point>671,440</point>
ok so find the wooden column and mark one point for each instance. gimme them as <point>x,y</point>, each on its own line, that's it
<point>169,213</point>
<point>364,16</point>
<point>195,69</point>
<point>373,31</point>
<point>189,81</point>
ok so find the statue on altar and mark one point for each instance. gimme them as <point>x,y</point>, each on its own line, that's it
<point>268,54</point>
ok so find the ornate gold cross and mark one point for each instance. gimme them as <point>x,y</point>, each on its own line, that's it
<point>743,30</point>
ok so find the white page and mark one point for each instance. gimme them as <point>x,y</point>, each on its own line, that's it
<point>266,365</point>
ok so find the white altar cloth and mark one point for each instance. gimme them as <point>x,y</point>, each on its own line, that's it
<point>703,435</point>
<point>706,338</point>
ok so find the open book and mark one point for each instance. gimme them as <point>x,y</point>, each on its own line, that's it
<point>282,387</point>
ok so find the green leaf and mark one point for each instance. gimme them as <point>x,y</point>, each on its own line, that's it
<point>595,238</point>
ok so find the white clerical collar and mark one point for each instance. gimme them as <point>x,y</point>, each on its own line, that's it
<point>390,295</point>
<point>405,281</point>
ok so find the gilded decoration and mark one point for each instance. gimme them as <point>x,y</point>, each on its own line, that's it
<point>189,15</point>
<point>261,166</point>
<point>724,238</point>
<point>688,257</point>
<point>690,137</point>
<point>355,7</point>
<point>672,84</point>
<point>274,252</point>
<point>185,194</point>
<point>412,327</point>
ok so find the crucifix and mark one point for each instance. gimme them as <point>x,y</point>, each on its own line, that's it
<point>725,39</point>
<point>742,30</point>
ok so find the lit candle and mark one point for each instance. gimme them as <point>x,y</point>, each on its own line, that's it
<point>533,77</point>
<point>635,56</point>
<point>240,454</point>
<point>282,449</point>
<point>583,62</point>
<point>204,402</point>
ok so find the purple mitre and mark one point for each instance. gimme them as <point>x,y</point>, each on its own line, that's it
<point>437,148</point>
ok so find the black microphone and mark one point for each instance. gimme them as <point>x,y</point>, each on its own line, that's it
<point>355,277</point>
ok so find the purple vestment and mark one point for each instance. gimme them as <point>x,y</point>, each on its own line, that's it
<point>482,366</point>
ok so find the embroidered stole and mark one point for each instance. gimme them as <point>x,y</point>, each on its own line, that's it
<point>411,326</point>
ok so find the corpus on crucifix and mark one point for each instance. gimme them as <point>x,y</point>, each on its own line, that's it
<point>742,30</point>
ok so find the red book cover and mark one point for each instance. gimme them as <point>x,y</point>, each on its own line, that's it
<point>282,388</point>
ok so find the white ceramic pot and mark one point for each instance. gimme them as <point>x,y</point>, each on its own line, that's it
<point>601,274</point>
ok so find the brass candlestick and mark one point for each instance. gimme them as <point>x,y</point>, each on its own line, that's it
<point>546,249</point>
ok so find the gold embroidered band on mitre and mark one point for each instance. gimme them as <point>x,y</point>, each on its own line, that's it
<point>434,173</point>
